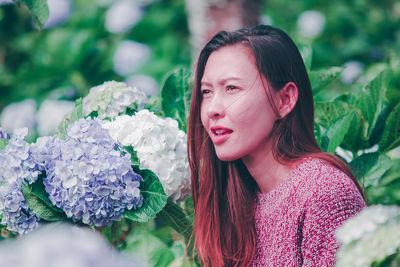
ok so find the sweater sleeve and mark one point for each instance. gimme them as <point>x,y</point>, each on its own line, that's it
<point>333,201</point>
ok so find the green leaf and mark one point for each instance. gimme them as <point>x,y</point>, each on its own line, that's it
<point>148,249</point>
<point>39,207</point>
<point>370,101</point>
<point>318,133</point>
<point>354,139</point>
<point>379,127</point>
<point>175,216</point>
<point>306,54</point>
<point>74,115</point>
<point>336,132</point>
<point>154,198</point>
<point>391,134</point>
<point>39,10</point>
<point>371,167</point>
<point>327,113</point>
<point>38,189</point>
<point>134,159</point>
<point>175,95</point>
<point>3,144</point>
<point>321,78</point>
<point>393,174</point>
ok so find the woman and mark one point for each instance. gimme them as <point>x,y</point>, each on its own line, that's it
<point>264,193</point>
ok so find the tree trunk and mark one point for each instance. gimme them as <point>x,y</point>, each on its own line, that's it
<point>207,17</point>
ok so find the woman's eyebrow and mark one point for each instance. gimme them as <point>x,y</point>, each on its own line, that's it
<point>222,82</point>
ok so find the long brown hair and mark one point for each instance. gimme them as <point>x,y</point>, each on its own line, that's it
<point>224,193</point>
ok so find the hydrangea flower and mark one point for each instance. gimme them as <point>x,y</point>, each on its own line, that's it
<point>62,245</point>
<point>311,23</point>
<point>16,168</point>
<point>370,236</point>
<point>130,55</point>
<point>122,15</point>
<point>160,147</point>
<point>50,114</point>
<point>90,177</point>
<point>353,69</point>
<point>59,11</point>
<point>112,98</point>
<point>3,134</point>
<point>19,115</point>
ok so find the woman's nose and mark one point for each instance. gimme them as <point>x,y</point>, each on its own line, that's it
<point>215,107</point>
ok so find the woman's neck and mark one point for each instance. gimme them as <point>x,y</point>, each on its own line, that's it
<point>266,170</point>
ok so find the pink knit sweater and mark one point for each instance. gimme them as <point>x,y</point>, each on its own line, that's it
<point>296,222</point>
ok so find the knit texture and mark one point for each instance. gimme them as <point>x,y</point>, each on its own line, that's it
<point>296,222</point>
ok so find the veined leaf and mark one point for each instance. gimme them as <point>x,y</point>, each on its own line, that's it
<point>391,134</point>
<point>74,115</point>
<point>327,113</point>
<point>154,198</point>
<point>354,139</point>
<point>148,249</point>
<point>370,102</point>
<point>379,127</point>
<point>38,189</point>
<point>321,78</point>
<point>38,9</point>
<point>39,207</point>
<point>175,95</point>
<point>336,132</point>
<point>175,216</point>
<point>371,167</point>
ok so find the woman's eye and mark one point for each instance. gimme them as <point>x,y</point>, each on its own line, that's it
<point>231,87</point>
<point>205,91</point>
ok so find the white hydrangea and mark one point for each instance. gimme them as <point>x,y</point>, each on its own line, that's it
<point>370,236</point>
<point>146,83</point>
<point>50,114</point>
<point>352,70</point>
<point>19,115</point>
<point>112,98</point>
<point>122,15</point>
<point>160,147</point>
<point>59,11</point>
<point>129,56</point>
<point>310,23</point>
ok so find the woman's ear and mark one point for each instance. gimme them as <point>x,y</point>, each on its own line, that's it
<point>287,99</point>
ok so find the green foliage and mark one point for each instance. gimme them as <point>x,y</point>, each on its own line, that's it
<point>3,144</point>
<point>321,78</point>
<point>39,10</point>
<point>43,209</point>
<point>154,198</point>
<point>391,134</point>
<point>148,249</point>
<point>371,167</point>
<point>175,94</point>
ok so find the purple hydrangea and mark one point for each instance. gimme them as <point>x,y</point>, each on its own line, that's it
<point>62,245</point>
<point>3,134</point>
<point>14,160</point>
<point>90,177</point>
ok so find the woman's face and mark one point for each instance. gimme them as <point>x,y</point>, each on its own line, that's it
<point>235,110</point>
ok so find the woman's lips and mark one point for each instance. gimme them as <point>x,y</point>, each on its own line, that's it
<point>220,134</point>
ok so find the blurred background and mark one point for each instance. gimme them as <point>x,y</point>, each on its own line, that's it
<point>87,42</point>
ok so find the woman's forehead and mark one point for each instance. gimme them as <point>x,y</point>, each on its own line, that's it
<point>230,63</point>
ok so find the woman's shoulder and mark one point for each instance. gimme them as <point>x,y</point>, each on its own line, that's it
<point>318,172</point>
<point>327,185</point>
